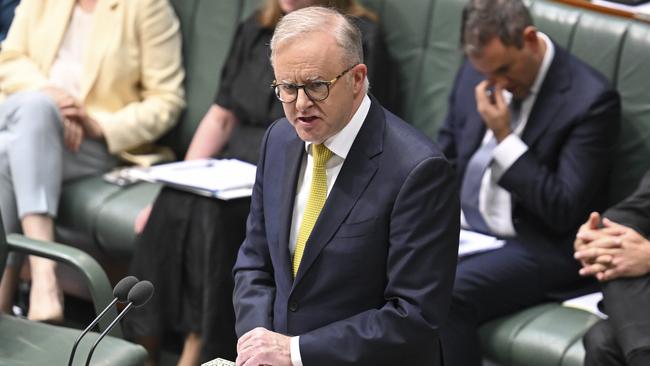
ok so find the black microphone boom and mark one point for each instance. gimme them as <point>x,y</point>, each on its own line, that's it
<point>138,296</point>
<point>120,292</point>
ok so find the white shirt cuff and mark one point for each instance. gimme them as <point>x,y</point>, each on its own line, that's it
<point>506,153</point>
<point>296,360</point>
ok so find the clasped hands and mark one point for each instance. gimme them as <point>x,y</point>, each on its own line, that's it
<point>262,347</point>
<point>611,251</point>
<point>493,109</point>
<point>77,124</point>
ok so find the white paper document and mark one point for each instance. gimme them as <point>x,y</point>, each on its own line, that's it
<point>587,303</point>
<point>219,362</point>
<point>221,178</point>
<point>472,242</point>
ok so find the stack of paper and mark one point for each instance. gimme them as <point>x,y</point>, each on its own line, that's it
<point>221,178</point>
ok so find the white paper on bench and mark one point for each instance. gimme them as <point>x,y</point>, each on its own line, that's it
<point>471,242</point>
<point>588,303</point>
<point>221,178</point>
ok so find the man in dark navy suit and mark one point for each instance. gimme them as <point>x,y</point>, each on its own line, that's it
<point>352,238</point>
<point>616,250</point>
<point>530,130</point>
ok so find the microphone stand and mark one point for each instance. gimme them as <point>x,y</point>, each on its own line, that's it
<point>76,342</point>
<point>108,329</point>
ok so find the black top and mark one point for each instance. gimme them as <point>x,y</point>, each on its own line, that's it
<point>247,75</point>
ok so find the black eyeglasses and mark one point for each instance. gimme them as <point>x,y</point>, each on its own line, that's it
<point>317,90</point>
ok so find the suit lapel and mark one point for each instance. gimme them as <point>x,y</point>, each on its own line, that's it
<point>357,171</point>
<point>295,150</point>
<point>108,15</point>
<point>551,99</point>
<point>56,28</point>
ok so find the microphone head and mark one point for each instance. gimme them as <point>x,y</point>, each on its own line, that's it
<point>121,290</point>
<point>140,293</point>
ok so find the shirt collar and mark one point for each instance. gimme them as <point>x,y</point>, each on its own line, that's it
<point>546,63</point>
<point>341,143</point>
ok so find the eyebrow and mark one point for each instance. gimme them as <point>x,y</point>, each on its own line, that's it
<point>308,79</point>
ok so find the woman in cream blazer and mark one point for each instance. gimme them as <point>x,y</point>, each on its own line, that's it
<point>81,81</point>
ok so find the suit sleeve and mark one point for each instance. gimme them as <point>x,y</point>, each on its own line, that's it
<point>422,254</point>
<point>17,71</point>
<point>634,211</point>
<point>558,196</point>
<point>161,81</point>
<point>254,292</point>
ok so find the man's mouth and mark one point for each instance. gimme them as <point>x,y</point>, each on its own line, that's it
<point>307,119</point>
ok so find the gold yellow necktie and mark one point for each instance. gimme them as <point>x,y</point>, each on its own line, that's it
<point>317,196</point>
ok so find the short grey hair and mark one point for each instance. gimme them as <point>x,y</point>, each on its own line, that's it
<point>320,19</point>
<point>484,20</point>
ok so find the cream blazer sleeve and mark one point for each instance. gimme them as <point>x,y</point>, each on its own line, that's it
<point>132,69</point>
<point>18,70</point>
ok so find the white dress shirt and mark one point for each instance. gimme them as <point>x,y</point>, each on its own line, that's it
<point>340,145</point>
<point>495,203</point>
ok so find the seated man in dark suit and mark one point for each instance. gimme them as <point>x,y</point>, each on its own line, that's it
<point>617,252</point>
<point>352,237</point>
<point>530,130</point>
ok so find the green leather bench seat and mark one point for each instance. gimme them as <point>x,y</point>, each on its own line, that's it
<point>27,343</point>
<point>422,36</point>
<point>543,335</point>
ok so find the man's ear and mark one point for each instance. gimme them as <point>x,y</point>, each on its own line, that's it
<point>359,74</point>
<point>530,36</point>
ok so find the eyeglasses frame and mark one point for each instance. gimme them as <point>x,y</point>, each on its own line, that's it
<point>327,83</point>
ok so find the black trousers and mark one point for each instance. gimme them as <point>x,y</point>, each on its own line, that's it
<point>624,338</point>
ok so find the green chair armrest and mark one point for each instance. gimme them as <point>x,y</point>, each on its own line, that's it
<point>96,279</point>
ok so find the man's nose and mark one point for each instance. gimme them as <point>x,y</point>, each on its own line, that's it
<point>498,80</point>
<point>303,102</point>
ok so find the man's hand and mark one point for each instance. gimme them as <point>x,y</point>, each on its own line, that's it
<point>496,116</point>
<point>632,258</point>
<point>612,252</point>
<point>263,347</point>
<point>588,232</point>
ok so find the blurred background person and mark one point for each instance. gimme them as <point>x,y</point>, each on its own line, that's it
<point>188,243</point>
<point>7,8</point>
<point>84,80</point>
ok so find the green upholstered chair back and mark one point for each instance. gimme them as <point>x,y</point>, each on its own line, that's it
<point>208,27</point>
<point>422,39</point>
<point>248,7</point>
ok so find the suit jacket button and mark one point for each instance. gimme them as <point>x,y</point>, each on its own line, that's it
<point>293,306</point>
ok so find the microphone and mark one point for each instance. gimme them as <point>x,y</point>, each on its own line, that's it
<point>138,296</point>
<point>120,292</point>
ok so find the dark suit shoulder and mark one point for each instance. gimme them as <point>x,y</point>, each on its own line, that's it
<point>281,130</point>
<point>585,78</point>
